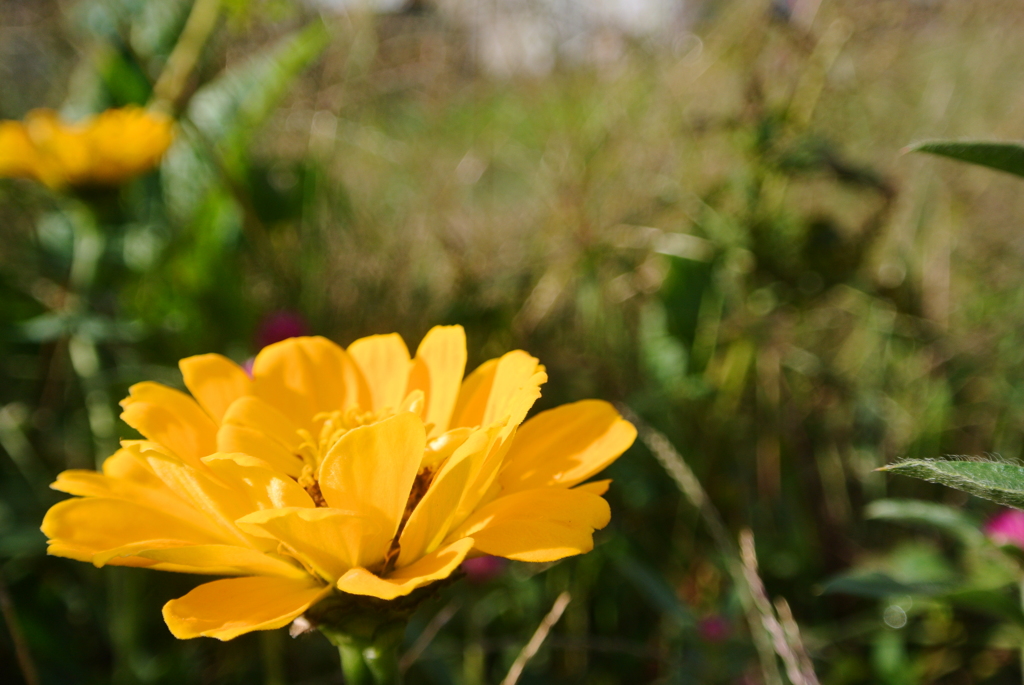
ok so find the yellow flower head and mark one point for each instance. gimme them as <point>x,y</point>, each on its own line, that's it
<point>105,150</point>
<point>362,471</point>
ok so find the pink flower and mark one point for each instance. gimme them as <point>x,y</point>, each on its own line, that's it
<point>276,327</point>
<point>480,570</point>
<point>280,326</point>
<point>714,628</point>
<point>1007,528</point>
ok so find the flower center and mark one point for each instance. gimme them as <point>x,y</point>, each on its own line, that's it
<point>335,424</point>
<point>313,451</point>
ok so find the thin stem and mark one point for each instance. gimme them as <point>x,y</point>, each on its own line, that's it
<point>200,24</point>
<point>531,648</point>
<point>686,480</point>
<point>272,649</point>
<point>1022,645</point>
<point>787,646</point>
<point>423,641</point>
<point>88,249</point>
<point>14,441</point>
<point>102,421</point>
<point>21,651</point>
<point>792,632</point>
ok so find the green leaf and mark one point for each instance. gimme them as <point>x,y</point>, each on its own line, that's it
<point>228,109</point>
<point>879,585</point>
<point>1003,156</point>
<point>46,327</point>
<point>993,480</point>
<point>157,25</point>
<point>951,520</point>
<point>226,112</point>
<point>999,602</point>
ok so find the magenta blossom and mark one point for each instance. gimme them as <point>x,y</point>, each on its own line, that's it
<point>276,327</point>
<point>280,326</point>
<point>1007,528</point>
<point>480,570</point>
<point>714,628</point>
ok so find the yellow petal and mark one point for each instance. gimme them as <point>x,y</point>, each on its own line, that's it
<point>82,528</point>
<point>57,548</point>
<point>125,142</point>
<point>486,394</point>
<point>519,393</point>
<point>518,402</point>
<point>329,541</point>
<point>385,364</point>
<point>472,399</point>
<point>129,464</point>
<point>371,469</point>
<point>252,412</point>
<point>170,418</point>
<point>215,381</point>
<point>216,560</point>
<point>221,502</point>
<point>483,485</point>
<point>437,370</point>
<point>262,486</point>
<point>597,487</point>
<point>227,608</point>
<point>91,484</point>
<point>239,439</point>
<point>104,150</point>
<point>565,446</point>
<point>302,377</point>
<point>435,566</point>
<point>444,446</point>
<point>61,152</point>
<point>226,560</point>
<point>537,525</point>
<point>152,495</point>
<point>254,427</point>
<point>17,154</point>
<point>434,515</point>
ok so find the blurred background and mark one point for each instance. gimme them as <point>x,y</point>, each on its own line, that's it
<point>698,209</point>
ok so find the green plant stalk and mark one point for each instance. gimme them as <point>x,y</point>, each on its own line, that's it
<point>1021,587</point>
<point>677,468</point>
<point>202,19</point>
<point>87,252</point>
<point>368,631</point>
<point>368,661</point>
<point>89,244</point>
<point>272,646</point>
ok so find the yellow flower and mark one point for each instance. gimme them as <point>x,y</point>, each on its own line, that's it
<point>102,151</point>
<point>362,471</point>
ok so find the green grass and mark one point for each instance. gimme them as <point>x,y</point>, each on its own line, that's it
<point>836,306</point>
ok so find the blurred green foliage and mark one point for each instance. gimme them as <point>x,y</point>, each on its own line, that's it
<point>716,230</point>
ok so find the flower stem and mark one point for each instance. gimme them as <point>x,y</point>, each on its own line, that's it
<point>202,19</point>
<point>368,661</point>
<point>353,665</point>
<point>369,632</point>
<point>1021,585</point>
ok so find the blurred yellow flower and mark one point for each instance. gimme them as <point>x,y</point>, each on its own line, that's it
<point>105,150</point>
<point>365,471</point>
